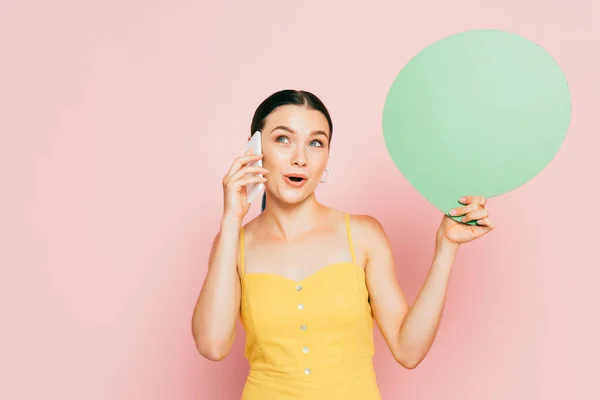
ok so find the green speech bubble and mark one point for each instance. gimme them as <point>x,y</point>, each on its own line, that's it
<point>477,113</point>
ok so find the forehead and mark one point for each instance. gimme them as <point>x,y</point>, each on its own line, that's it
<point>299,118</point>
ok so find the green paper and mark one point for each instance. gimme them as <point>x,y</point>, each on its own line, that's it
<point>478,113</point>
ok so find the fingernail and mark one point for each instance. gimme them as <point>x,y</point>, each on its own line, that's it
<point>453,212</point>
<point>462,199</point>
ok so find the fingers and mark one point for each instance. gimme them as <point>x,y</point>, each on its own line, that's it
<point>248,170</point>
<point>475,215</point>
<point>240,183</point>
<point>474,210</point>
<point>486,222</point>
<point>465,209</point>
<point>473,200</point>
<point>241,161</point>
<point>473,203</point>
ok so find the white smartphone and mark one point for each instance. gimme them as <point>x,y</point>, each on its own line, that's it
<point>254,189</point>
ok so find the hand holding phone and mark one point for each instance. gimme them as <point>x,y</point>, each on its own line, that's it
<point>255,188</point>
<point>244,181</point>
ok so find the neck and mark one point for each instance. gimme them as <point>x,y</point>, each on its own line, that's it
<point>289,221</point>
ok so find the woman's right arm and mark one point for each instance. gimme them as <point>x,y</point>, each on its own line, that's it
<point>216,312</point>
<point>217,308</point>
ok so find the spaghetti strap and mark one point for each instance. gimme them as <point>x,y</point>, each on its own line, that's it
<point>242,250</point>
<point>349,234</point>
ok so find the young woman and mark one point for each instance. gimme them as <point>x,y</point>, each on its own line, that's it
<point>309,281</point>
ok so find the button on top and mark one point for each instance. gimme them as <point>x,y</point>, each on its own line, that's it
<point>305,350</point>
<point>307,371</point>
<point>303,327</point>
<point>300,306</point>
<point>299,287</point>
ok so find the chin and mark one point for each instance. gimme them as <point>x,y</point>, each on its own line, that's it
<point>293,196</point>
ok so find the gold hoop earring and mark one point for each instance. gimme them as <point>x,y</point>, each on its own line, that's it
<point>328,176</point>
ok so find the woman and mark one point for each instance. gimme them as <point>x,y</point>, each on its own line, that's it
<point>309,281</point>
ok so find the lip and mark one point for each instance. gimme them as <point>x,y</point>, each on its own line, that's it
<point>296,176</point>
<point>293,184</point>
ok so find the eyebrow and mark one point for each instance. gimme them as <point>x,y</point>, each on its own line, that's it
<point>290,130</point>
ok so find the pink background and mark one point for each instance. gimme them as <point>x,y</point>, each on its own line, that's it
<point>118,120</point>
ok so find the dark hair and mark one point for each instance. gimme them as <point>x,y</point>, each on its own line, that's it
<point>282,98</point>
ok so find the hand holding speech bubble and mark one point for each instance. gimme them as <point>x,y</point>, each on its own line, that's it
<point>478,113</point>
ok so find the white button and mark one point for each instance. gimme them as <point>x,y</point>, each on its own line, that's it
<point>300,306</point>
<point>299,287</point>
<point>303,327</point>
<point>307,371</point>
<point>305,350</point>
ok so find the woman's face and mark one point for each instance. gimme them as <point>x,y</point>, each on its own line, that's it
<point>295,142</point>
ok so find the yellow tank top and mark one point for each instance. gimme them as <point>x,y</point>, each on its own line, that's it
<point>309,339</point>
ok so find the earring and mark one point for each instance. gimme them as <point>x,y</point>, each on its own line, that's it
<point>328,176</point>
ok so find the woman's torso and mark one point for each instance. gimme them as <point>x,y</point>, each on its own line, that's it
<point>308,338</point>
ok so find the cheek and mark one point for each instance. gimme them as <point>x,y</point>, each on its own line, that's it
<point>273,160</point>
<point>319,159</point>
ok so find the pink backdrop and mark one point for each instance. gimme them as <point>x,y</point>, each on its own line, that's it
<point>118,120</point>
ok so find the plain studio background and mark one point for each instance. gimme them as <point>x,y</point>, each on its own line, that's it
<point>119,119</point>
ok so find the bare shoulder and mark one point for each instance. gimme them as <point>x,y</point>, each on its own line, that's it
<point>367,227</point>
<point>368,235</point>
<point>250,226</point>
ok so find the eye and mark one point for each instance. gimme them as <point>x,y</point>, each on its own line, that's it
<point>318,143</point>
<point>281,139</point>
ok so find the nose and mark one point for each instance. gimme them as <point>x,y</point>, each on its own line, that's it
<point>299,158</point>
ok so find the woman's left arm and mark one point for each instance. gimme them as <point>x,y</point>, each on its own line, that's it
<point>409,331</point>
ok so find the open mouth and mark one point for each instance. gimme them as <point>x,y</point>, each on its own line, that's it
<point>296,180</point>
